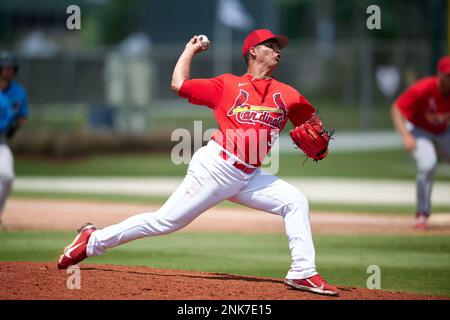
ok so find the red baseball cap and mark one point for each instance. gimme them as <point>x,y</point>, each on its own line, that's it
<point>258,36</point>
<point>444,65</point>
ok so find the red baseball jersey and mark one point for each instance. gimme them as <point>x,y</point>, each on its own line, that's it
<point>250,111</point>
<point>424,105</point>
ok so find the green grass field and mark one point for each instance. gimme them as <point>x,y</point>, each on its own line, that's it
<point>390,164</point>
<point>419,264</point>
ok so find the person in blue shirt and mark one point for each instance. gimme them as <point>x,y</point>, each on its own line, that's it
<point>15,92</point>
<point>13,97</point>
<point>6,115</point>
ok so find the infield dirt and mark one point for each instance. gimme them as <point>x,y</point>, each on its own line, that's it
<point>106,282</point>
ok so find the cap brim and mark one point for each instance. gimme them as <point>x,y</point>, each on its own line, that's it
<point>283,41</point>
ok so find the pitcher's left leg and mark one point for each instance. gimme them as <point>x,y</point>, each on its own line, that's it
<point>269,193</point>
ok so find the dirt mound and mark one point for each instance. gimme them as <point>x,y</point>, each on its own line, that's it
<point>30,280</point>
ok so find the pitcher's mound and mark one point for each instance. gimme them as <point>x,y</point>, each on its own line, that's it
<point>32,280</point>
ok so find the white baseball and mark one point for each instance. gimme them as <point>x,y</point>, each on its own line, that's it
<point>204,40</point>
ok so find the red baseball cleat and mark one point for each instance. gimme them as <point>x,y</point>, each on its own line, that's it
<point>421,221</point>
<point>76,251</point>
<point>314,284</point>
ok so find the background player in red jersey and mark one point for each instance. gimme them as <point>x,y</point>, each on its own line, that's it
<point>250,110</point>
<point>421,115</point>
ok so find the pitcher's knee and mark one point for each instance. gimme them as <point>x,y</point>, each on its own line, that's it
<point>427,164</point>
<point>427,169</point>
<point>7,178</point>
<point>301,202</point>
<point>296,202</point>
<point>6,182</point>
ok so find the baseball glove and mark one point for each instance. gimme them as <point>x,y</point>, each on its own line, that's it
<point>312,138</point>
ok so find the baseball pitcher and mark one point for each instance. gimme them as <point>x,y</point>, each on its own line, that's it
<point>13,95</point>
<point>250,109</point>
<point>421,115</point>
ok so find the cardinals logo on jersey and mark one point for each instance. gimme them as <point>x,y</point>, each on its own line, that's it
<point>247,113</point>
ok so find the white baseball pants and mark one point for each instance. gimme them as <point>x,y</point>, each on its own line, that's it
<point>429,148</point>
<point>6,174</point>
<point>210,180</point>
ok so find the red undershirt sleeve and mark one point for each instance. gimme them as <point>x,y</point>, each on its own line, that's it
<point>300,112</point>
